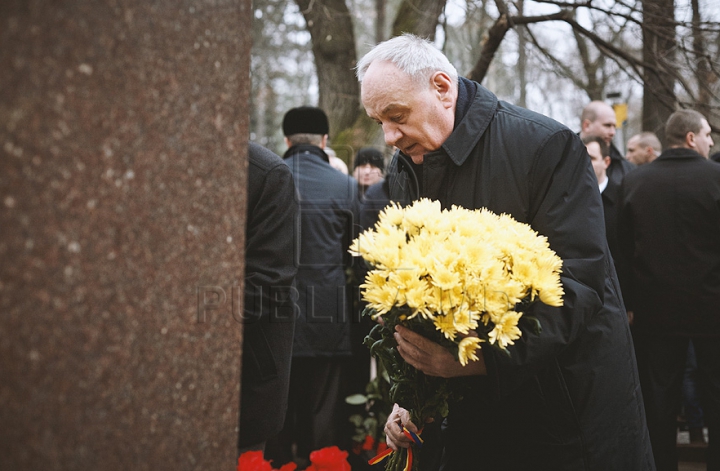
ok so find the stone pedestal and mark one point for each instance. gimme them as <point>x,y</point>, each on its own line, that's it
<point>123,132</point>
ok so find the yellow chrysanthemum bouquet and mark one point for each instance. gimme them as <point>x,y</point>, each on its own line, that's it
<point>446,274</point>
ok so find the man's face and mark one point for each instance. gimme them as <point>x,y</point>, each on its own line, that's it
<point>599,162</point>
<point>637,154</point>
<point>703,140</point>
<point>603,126</point>
<point>367,174</point>
<point>415,118</point>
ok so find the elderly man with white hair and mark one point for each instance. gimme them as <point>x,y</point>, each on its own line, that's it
<point>568,398</point>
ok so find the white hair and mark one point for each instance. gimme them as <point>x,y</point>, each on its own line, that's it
<point>411,54</point>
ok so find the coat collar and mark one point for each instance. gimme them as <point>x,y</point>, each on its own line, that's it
<point>679,153</point>
<point>475,108</point>
<point>472,125</point>
<point>306,149</point>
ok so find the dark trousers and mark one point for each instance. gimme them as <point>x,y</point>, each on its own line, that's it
<point>315,410</point>
<point>661,366</point>
<point>691,398</point>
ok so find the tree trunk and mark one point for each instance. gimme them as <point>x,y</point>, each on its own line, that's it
<point>704,74</point>
<point>522,58</point>
<point>418,17</point>
<point>380,21</point>
<point>333,45</point>
<point>659,43</point>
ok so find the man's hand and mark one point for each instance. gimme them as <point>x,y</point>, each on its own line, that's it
<point>432,358</point>
<point>394,436</point>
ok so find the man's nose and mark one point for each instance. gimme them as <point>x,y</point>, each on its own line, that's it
<point>392,134</point>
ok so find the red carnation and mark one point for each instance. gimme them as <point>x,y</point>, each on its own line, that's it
<point>253,461</point>
<point>329,459</point>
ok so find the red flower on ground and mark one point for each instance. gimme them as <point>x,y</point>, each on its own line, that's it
<point>329,459</point>
<point>254,461</point>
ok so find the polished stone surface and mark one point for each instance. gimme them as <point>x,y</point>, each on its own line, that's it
<point>123,131</point>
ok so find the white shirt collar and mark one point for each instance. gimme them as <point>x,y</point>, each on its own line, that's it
<point>604,184</point>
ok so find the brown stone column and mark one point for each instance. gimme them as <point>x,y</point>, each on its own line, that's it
<point>123,131</point>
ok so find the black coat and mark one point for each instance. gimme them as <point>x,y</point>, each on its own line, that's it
<point>619,166</point>
<point>669,232</point>
<point>329,215</point>
<point>269,273</point>
<point>568,399</point>
<point>611,209</point>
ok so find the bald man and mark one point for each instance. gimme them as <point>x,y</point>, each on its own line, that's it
<point>598,119</point>
<point>643,148</point>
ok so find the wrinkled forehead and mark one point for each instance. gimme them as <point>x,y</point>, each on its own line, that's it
<point>385,87</point>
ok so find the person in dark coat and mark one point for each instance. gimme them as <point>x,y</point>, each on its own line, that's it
<point>329,211</point>
<point>669,233</point>
<point>568,398</point>
<point>598,119</point>
<point>599,153</point>
<point>268,321</point>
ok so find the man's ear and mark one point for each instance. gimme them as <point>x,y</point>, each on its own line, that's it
<point>690,140</point>
<point>584,125</point>
<point>323,144</point>
<point>287,142</point>
<point>607,161</point>
<point>443,85</point>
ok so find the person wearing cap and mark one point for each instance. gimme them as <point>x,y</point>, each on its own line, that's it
<point>328,209</point>
<point>368,168</point>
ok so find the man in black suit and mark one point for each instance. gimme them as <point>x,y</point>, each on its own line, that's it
<point>268,321</point>
<point>598,119</point>
<point>599,153</point>
<point>669,235</point>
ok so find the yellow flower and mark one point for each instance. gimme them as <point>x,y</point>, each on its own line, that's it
<point>465,320</point>
<point>461,269</point>
<point>446,325</point>
<point>382,298</point>
<point>392,214</point>
<point>467,349</point>
<point>506,330</point>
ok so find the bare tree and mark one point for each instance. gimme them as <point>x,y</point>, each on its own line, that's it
<point>654,63</point>
<point>419,17</point>
<point>658,54</point>
<point>333,46</point>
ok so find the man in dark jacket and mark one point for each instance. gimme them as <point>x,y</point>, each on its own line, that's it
<point>268,321</point>
<point>598,119</point>
<point>670,237</point>
<point>599,153</point>
<point>568,398</point>
<point>329,210</point>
